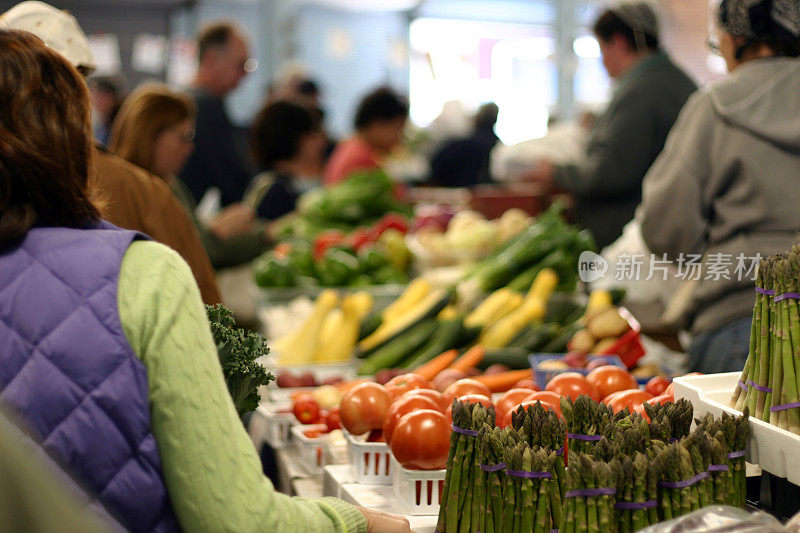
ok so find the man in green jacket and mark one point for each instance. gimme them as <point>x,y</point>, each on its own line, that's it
<point>627,138</point>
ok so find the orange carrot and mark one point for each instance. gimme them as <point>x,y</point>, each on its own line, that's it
<point>430,369</point>
<point>503,381</point>
<point>470,359</point>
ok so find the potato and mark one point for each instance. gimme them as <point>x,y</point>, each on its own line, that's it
<point>603,345</point>
<point>553,364</point>
<point>647,371</point>
<point>582,341</point>
<point>608,324</point>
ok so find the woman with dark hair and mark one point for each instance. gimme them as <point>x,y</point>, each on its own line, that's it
<point>288,146</point>
<point>107,356</point>
<point>726,184</point>
<point>379,121</point>
<point>154,130</point>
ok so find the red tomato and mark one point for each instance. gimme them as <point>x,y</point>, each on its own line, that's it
<point>628,398</point>
<point>609,379</point>
<point>404,383</point>
<point>463,387</point>
<point>376,435</point>
<point>403,406</point>
<point>670,390</point>
<point>657,385</point>
<point>359,238</point>
<point>428,393</point>
<point>510,399</point>
<point>306,409</point>
<point>282,249</point>
<point>468,398</point>
<point>333,419</point>
<point>391,220</point>
<point>548,400</point>
<point>527,384</point>
<point>325,240</point>
<point>664,398</point>
<point>421,440</point>
<point>572,384</point>
<point>364,408</point>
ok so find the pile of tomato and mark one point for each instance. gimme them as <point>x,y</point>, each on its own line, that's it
<point>415,420</point>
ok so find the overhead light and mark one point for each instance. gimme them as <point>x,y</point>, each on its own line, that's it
<point>368,5</point>
<point>586,47</point>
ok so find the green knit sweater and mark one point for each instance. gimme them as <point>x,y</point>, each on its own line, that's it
<point>211,469</point>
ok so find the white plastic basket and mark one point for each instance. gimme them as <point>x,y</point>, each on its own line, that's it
<point>770,447</point>
<point>420,490</point>
<point>271,424</point>
<point>371,461</point>
<point>311,452</point>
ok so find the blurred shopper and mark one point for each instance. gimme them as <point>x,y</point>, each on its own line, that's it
<point>628,137</point>
<point>465,162</point>
<point>379,122</point>
<point>224,61</point>
<point>726,183</point>
<point>107,97</point>
<point>132,198</point>
<point>155,131</point>
<point>288,145</point>
<point>124,388</point>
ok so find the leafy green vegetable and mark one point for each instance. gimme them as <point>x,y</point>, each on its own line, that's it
<point>239,351</point>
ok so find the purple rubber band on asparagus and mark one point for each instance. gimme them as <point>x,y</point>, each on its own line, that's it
<point>736,455</point>
<point>743,385</point>
<point>531,475</point>
<point>636,505</point>
<point>784,407</point>
<point>765,292</point>
<point>493,468</point>
<point>787,295</point>
<point>463,431</point>
<point>718,468</point>
<point>673,440</point>
<point>553,531</point>
<point>560,451</point>
<point>757,386</point>
<point>591,492</point>
<point>589,438</point>
<point>683,484</point>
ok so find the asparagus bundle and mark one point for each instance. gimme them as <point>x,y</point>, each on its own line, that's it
<point>590,496</point>
<point>456,513</point>
<point>732,433</point>
<point>587,421</point>
<point>671,421</point>
<point>770,380</point>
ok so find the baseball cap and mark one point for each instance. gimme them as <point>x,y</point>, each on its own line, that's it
<point>756,19</point>
<point>57,28</point>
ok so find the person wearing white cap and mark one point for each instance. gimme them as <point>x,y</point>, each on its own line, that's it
<point>726,185</point>
<point>649,93</point>
<point>134,199</point>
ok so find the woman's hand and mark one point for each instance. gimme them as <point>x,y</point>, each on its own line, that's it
<point>234,220</point>
<point>378,522</point>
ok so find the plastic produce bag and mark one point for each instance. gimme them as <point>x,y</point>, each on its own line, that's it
<point>719,519</point>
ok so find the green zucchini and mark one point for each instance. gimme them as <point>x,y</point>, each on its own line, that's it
<point>370,323</point>
<point>559,310</point>
<point>468,336</point>
<point>559,343</point>
<point>445,338</point>
<point>513,358</point>
<point>534,338</point>
<point>429,307</point>
<point>392,353</point>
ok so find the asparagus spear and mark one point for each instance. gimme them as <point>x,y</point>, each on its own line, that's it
<point>448,512</point>
<point>652,491</point>
<point>543,502</point>
<point>790,377</point>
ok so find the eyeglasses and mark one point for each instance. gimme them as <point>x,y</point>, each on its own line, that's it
<point>712,42</point>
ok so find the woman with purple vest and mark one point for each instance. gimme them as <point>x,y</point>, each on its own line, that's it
<point>107,357</point>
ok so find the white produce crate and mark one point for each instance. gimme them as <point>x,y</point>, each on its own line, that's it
<point>775,450</point>
<point>371,461</point>
<point>269,424</point>
<point>311,451</point>
<point>420,490</point>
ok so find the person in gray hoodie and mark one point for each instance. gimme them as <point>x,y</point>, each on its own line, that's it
<point>625,140</point>
<point>727,184</point>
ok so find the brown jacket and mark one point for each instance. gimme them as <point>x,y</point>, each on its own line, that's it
<point>135,200</point>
